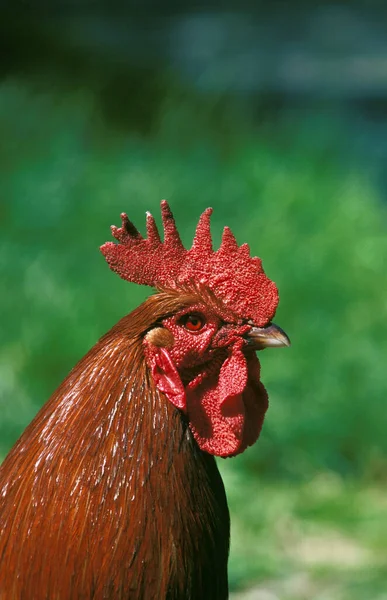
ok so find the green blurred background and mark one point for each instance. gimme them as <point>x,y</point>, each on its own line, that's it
<point>277,117</point>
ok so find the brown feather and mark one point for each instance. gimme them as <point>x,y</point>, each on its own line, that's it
<point>106,494</point>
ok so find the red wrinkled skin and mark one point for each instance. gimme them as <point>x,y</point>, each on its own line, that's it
<point>225,402</point>
<point>226,409</point>
<point>166,377</point>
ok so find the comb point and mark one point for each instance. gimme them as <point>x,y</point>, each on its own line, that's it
<point>202,242</point>
<point>152,231</point>
<point>229,243</point>
<point>171,235</point>
<point>244,250</point>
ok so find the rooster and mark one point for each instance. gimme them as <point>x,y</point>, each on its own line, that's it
<point>112,492</point>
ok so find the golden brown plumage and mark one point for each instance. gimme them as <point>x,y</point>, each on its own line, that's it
<point>95,478</point>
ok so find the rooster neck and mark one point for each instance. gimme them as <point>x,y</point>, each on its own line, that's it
<point>109,477</point>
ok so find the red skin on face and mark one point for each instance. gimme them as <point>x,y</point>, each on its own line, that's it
<point>210,377</point>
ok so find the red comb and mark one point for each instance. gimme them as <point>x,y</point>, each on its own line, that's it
<point>231,274</point>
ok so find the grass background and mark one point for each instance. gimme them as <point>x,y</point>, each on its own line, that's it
<point>308,502</point>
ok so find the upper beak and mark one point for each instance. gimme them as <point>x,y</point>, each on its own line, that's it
<point>259,338</point>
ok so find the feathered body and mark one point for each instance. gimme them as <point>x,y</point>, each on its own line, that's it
<point>98,490</point>
<point>112,491</point>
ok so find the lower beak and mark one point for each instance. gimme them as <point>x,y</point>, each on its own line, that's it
<point>259,338</point>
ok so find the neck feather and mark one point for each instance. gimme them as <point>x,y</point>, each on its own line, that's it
<point>108,474</point>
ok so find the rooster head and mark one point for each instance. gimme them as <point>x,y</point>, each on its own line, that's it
<point>214,311</point>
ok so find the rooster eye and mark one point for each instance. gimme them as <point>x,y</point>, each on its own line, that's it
<point>193,322</point>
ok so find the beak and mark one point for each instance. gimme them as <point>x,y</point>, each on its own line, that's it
<point>259,338</point>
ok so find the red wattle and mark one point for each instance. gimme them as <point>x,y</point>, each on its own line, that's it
<point>226,407</point>
<point>166,377</point>
<point>225,402</point>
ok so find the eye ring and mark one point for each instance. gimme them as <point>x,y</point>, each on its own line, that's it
<point>193,322</point>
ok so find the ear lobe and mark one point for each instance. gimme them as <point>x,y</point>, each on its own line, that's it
<point>166,377</point>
